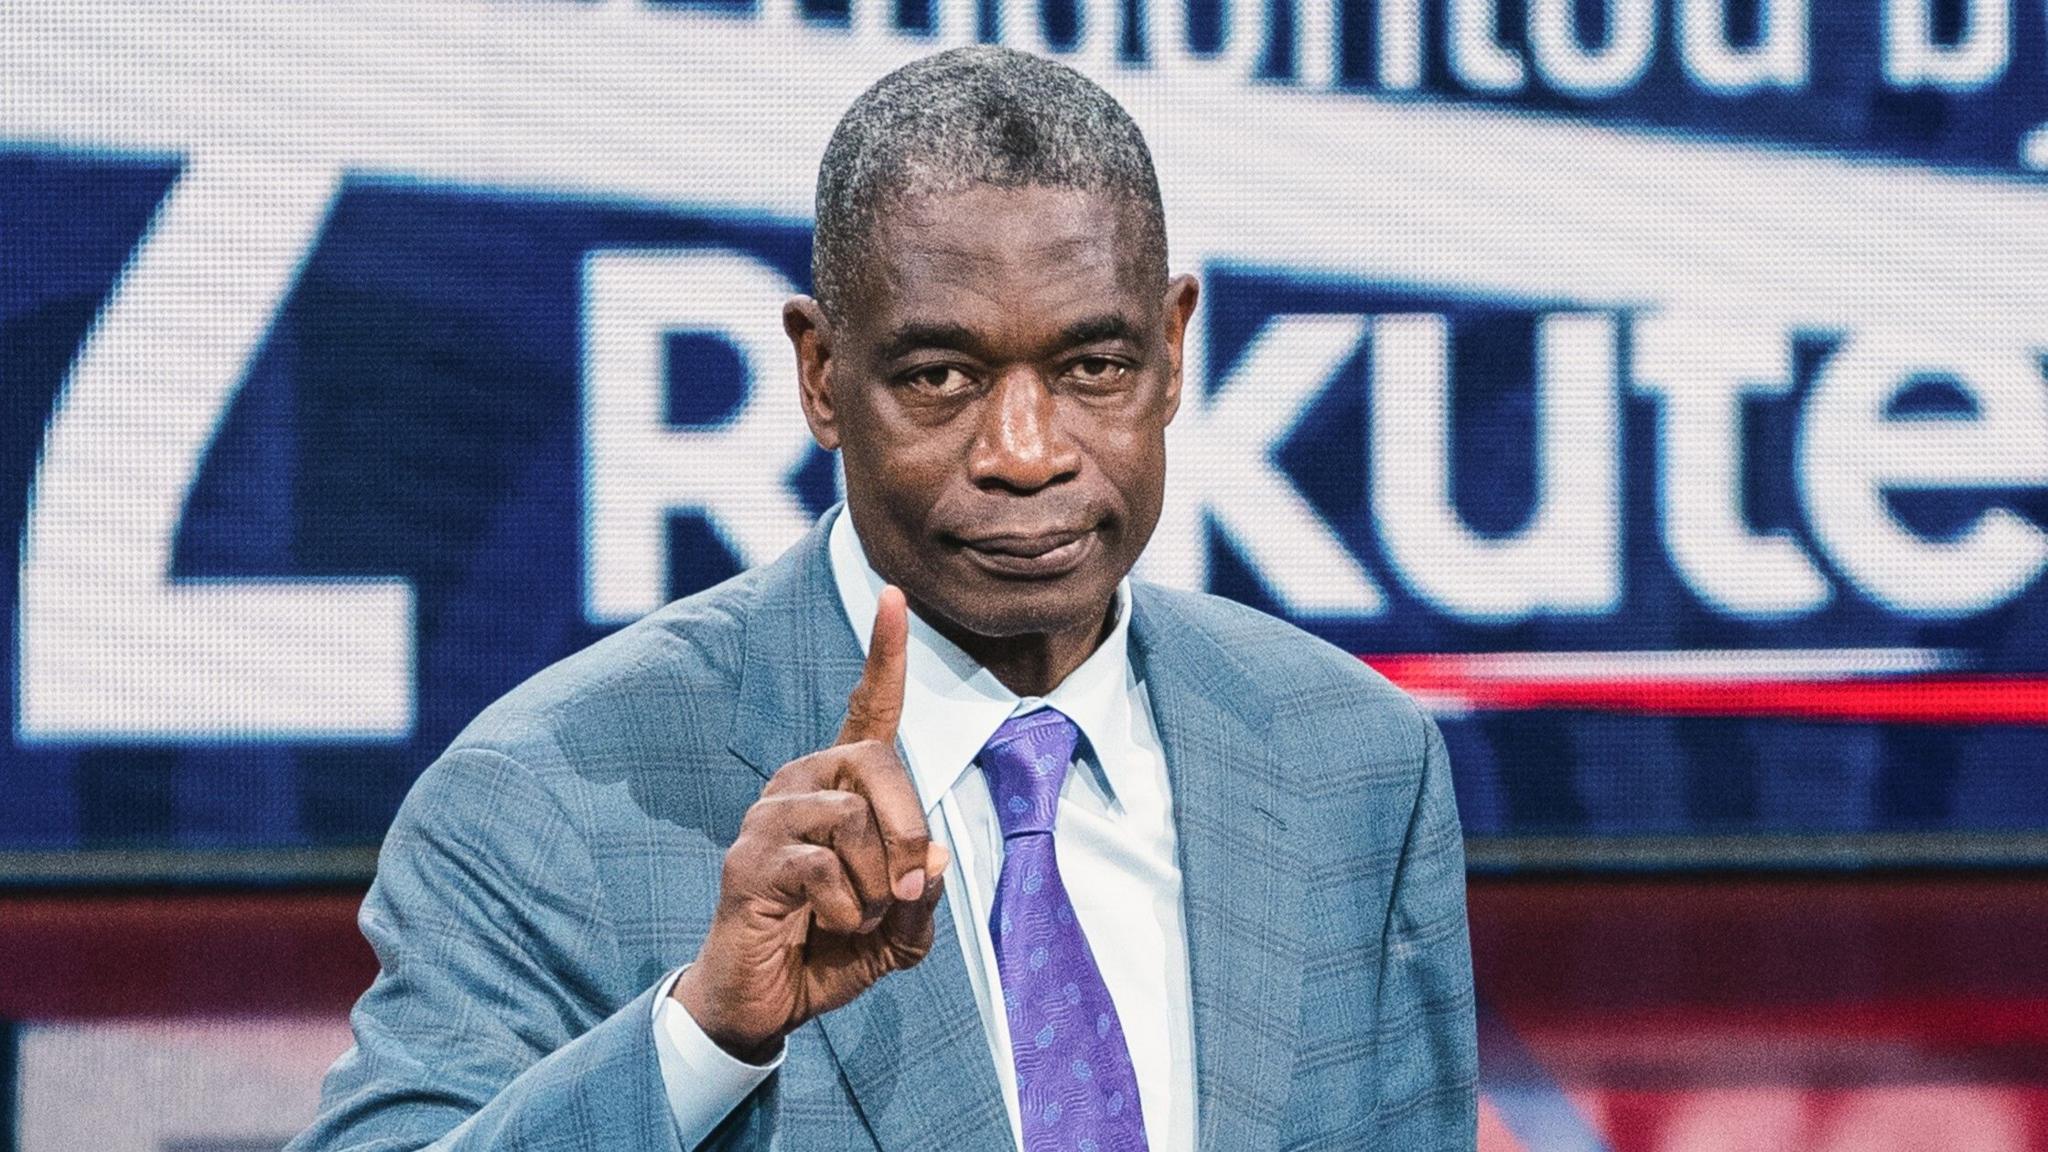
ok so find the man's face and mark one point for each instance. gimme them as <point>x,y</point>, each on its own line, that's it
<point>999,393</point>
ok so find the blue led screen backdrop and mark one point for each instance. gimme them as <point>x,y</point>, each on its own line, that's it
<point>1654,387</point>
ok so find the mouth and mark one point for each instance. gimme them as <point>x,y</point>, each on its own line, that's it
<point>1040,555</point>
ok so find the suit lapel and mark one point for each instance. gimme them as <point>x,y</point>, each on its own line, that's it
<point>1241,876</point>
<point>798,660</point>
<point>912,1048</point>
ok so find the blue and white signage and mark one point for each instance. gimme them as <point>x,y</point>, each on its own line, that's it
<point>1655,387</point>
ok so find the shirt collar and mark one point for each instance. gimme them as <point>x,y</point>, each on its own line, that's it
<point>952,705</point>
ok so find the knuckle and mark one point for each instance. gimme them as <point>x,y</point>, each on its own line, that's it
<point>854,827</point>
<point>833,763</point>
<point>796,774</point>
<point>847,809</point>
<point>760,815</point>
<point>815,865</point>
<point>737,870</point>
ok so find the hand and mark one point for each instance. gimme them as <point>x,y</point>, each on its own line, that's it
<point>831,883</point>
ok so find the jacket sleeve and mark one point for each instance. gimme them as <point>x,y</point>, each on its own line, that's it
<point>1429,1071</point>
<point>495,1020</point>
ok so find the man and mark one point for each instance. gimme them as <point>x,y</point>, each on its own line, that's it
<point>777,864</point>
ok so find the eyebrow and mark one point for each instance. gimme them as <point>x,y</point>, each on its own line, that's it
<point>1096,329</point>
<point>913,336</point>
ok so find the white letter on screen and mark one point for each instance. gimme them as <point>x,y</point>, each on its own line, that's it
<point>1851,454</point>
<point>1913,60</point>
<point>1570,67</point>
<point>1701,373</point>
<point>1778,59</point>
<point>1220,463</point>
<point>1568,558</point>
<point>1400,44</point>
<point>112,648</point>
<point>1236,61</point>
<point>1477,58</point>
<point>638,470</point>
<point>1023,27</point>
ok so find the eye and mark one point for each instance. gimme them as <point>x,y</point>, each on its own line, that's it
<point>938,380</point>
<point>1098,371</point>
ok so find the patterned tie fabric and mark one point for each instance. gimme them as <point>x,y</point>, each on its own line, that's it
<point>1075,1088</point>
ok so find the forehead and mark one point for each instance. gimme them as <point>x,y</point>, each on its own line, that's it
<point>1011,259</point>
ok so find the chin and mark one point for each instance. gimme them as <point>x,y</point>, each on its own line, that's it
<point>999,609</point>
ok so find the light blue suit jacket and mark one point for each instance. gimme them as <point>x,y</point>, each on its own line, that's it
<point>564,854</point>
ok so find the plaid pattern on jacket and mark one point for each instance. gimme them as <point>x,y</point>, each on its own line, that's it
<point>564,854</point>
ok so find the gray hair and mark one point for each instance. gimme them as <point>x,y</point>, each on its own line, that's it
<point>975,115</point>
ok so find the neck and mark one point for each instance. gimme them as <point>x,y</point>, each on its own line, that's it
<point>1032,663</point>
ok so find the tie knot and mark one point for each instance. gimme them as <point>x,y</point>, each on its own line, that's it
<point>1026,762</point>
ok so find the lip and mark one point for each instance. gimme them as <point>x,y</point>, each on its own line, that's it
<point>1031,555</point>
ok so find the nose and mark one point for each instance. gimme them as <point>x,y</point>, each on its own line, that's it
<point>1019,446</point>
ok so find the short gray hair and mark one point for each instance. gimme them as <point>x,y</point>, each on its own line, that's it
<point>975,115</point>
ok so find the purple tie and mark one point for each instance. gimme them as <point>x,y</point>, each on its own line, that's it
<point>1075,1088</point>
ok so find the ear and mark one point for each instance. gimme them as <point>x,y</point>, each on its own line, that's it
<point>1181,293</point>
<point>810,334</point>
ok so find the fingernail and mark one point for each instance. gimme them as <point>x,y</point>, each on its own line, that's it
<point>911,885</point>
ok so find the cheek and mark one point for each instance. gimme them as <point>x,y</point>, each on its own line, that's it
<point>908,466</point>
<point>1131,456</point>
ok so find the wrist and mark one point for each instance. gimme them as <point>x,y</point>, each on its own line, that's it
<point>741,1045</point>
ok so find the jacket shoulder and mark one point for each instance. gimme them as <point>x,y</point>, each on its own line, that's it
<point>1299,680</point>
<point>680,662</point>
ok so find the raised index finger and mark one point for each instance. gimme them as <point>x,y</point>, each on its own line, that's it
<point>876,705</point>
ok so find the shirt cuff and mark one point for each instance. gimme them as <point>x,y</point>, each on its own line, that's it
<point>704,1082</point>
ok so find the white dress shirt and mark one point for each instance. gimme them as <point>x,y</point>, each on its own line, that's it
<point>1114,836</point>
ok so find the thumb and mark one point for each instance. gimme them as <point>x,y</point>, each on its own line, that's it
<point>906,928</point>
<point>876,705</point>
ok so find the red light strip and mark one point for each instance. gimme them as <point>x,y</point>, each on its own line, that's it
<point>1455,681</point>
